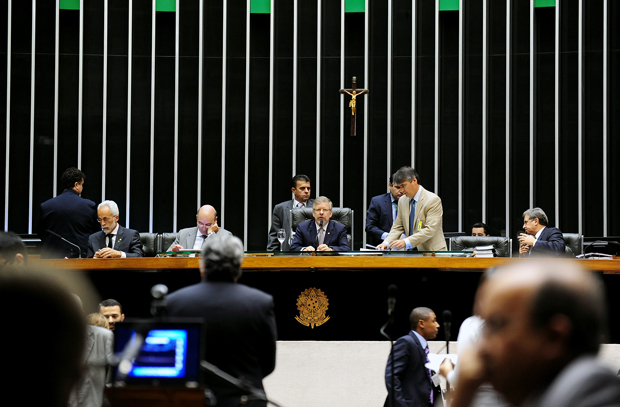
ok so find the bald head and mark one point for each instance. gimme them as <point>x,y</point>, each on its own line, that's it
<point>540,315</point>
<point>206,218</point>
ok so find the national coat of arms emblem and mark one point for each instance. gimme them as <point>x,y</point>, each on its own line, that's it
<point>312,305</point>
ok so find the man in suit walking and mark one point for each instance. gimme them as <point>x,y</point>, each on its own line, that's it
<point>412,383</point>
<point>113,240</point>
<point>381,214</point>
<point>420,216</point>
<point>300,186</point>
<point>240,324</point>
<point>539,239</point>
<point>321,234</point>
<point>195,237</point>
<point>544,323</point>
<point>68,215</point>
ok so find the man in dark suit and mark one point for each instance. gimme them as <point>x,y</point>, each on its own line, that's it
<point>68,215</point>
<point>321,234</point>
<point>538,239</point>
<point>300,186</point>
<point>113,240</point>
<point>412,384</point>
<point>381,214</point>
<point>240,324</point>
<point>195,237</point>
<point>544,323</point>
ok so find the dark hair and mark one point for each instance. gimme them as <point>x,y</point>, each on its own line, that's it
<point>584,307</point>
<point>222,257</point>
<point>11,245</point>
<point>481,225</point>
<point>70,177</point>
<point>419,314</point>
<point>299,177</point>
<point>110,303</point>
<point>405,174</point>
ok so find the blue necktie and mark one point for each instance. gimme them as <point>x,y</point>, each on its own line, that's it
<point>411,216</point>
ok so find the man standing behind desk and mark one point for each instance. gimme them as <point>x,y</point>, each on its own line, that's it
<point>381,214</point>
<point>195,237</point>
<point>281,212</point>
<point>68,215</point>
<point>113,240</point>
<point>240,325</point>
<point>538,239</point>
<point>424,229</point>
<point>320,234</point>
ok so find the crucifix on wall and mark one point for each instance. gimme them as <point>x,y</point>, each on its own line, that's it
<point>354,93</point>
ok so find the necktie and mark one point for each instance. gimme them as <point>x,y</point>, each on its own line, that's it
<point>110,241</point>
<point>321,236</point>
<point>300,205</point>
<point>430,374</point>
<point>395,205</point>
<point>411,216</point>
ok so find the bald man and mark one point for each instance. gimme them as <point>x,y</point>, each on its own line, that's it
<point>544,323</point>
<point>195,237</point>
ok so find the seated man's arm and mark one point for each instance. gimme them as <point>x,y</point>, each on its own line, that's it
<point>176,242</point>
<point>342,242</point>
<point>554,244</point>
<point>91,252</point>
<point>276,224</point>
<point>373,216</point>
<point>135,248</point>
<point>298,243</point>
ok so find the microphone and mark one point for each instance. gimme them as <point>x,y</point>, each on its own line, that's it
<point>65,240</point>
<point>158,304</point>
<point>447,326</point>
<point>391,298</point>
<point>159,291</point>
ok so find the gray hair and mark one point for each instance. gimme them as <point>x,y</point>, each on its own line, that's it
<point>322,200</point>
<point>537,213</point>
<point>222,257</point>
<point>110,204</point>
<point>405,174</point>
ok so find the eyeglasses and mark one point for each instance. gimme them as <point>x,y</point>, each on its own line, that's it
<point>204,225</point>
<point>525,221</point>
<point>105,219</point>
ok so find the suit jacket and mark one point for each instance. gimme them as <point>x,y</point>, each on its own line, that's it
<point>427,222</point>
<point>412,382</point>
<point>379,218</point>
<point>186,237</point>
<point>550,241</point>
<point>281,220</point>
<point>88,392</point>
<point>240,329</point>
<point>335,236</point>
<point>70,216</point>
<point>127,240</point>
<point>582,383</point>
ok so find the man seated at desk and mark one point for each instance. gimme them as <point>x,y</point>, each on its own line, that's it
<point>321,234</point>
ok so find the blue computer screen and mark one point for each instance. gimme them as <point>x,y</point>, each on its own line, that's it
<point>163,354</point>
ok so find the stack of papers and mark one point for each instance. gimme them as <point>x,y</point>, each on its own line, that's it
<point>484,251</point>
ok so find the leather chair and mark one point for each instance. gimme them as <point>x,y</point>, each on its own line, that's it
<point>501,243</point>
<point>574,244</point>
<point>149,244</point>
<point>340,215</point>
<point>166,239</point>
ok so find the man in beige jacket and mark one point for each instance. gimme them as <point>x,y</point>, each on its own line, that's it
<point>423,230</point>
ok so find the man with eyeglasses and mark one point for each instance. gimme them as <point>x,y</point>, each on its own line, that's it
<point>539,239</point>
<point>420,216</point>
<point>113,241</point>
<point>195,237</point>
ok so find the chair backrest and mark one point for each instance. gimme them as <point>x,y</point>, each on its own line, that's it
<point>501,243</point>
<point>574,244</point>
<point>340,215</point>
<point>166,239</point>
<point>149,244</point>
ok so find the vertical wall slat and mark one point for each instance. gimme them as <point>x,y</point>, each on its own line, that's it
<point>605,113</point>
<point>485,96</point>
<point>557,112</point>
<point>56,81</point>
<point>200,93</point>
<point>271,113</point>
<point>152,161</point>
<point>318,99</point>
<point>129,74</point>
<point>105,99</point>
<point>247,123</point>
<point>81,86</point>
<point>32,111</point>
<point>436,155</point>
<point>224,76</point>
<point>295,72</point>
<point>389,87</point>
<point>342,100</point>
<point>580,120</point>
<point>531,107</point>
<point>460,112</point>
<point>414,63</point>
<point>508,109</point>
<point>365,186</point>
<point>8,114</point>
<point>175,196</point>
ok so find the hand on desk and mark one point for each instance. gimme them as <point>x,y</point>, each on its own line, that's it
<point>176,248</point>
<point>107,253</point>
<point>395,245</point>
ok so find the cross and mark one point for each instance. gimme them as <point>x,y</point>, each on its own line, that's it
<point>354,93</point>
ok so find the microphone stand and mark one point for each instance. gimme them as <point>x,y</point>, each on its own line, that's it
<point>390,321</point>
<point>66,241</point>
<point>249,392</point>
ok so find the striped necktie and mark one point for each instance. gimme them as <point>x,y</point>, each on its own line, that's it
<point>430,374</point>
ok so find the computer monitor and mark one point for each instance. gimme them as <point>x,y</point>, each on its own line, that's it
<point>170,354</point>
